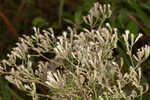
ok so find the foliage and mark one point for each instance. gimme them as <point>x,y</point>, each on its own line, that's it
<point>83,66</point>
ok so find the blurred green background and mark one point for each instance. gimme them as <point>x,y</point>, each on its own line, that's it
<point>17,17</point>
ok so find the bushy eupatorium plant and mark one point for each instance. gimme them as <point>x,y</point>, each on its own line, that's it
<point>83,66</point>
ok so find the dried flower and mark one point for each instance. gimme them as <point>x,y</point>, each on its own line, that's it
<point>84,66</point>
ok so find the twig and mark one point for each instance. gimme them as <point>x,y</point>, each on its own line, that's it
<point>9,25</point>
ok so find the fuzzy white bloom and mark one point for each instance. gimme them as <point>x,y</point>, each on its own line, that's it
<point>83,61</point>
<point>127,32</point>
<point>138,37</point>
<point>114,63</point>
<point>125,36</point>
<point>55,80</point>
<point>142,53</point>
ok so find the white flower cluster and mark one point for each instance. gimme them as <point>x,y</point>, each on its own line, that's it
<point>84,66</point>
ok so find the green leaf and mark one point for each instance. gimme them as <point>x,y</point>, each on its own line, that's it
<point>68,21</point>
<point>77,17</point>
<point>133,27</point>
<point>140,12</point>
<point>40,22</point>
<point>123,19</point>
<point>145,5</point>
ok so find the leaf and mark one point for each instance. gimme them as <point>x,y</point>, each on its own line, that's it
<point>140,12</point>
<point>123,19</point>
<point>145,5</point>
<point>68,21</point>
<point>77,17</point>
<point>40,22</point>
<point>133,27</point>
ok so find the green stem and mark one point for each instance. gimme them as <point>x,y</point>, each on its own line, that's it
<point>60,12</point>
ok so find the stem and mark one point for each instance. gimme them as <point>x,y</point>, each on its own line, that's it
<point>9,25</point>
<point>60,12</point>
<point>130,55</point>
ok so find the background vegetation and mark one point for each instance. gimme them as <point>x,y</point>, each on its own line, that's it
<point>17,18</point>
